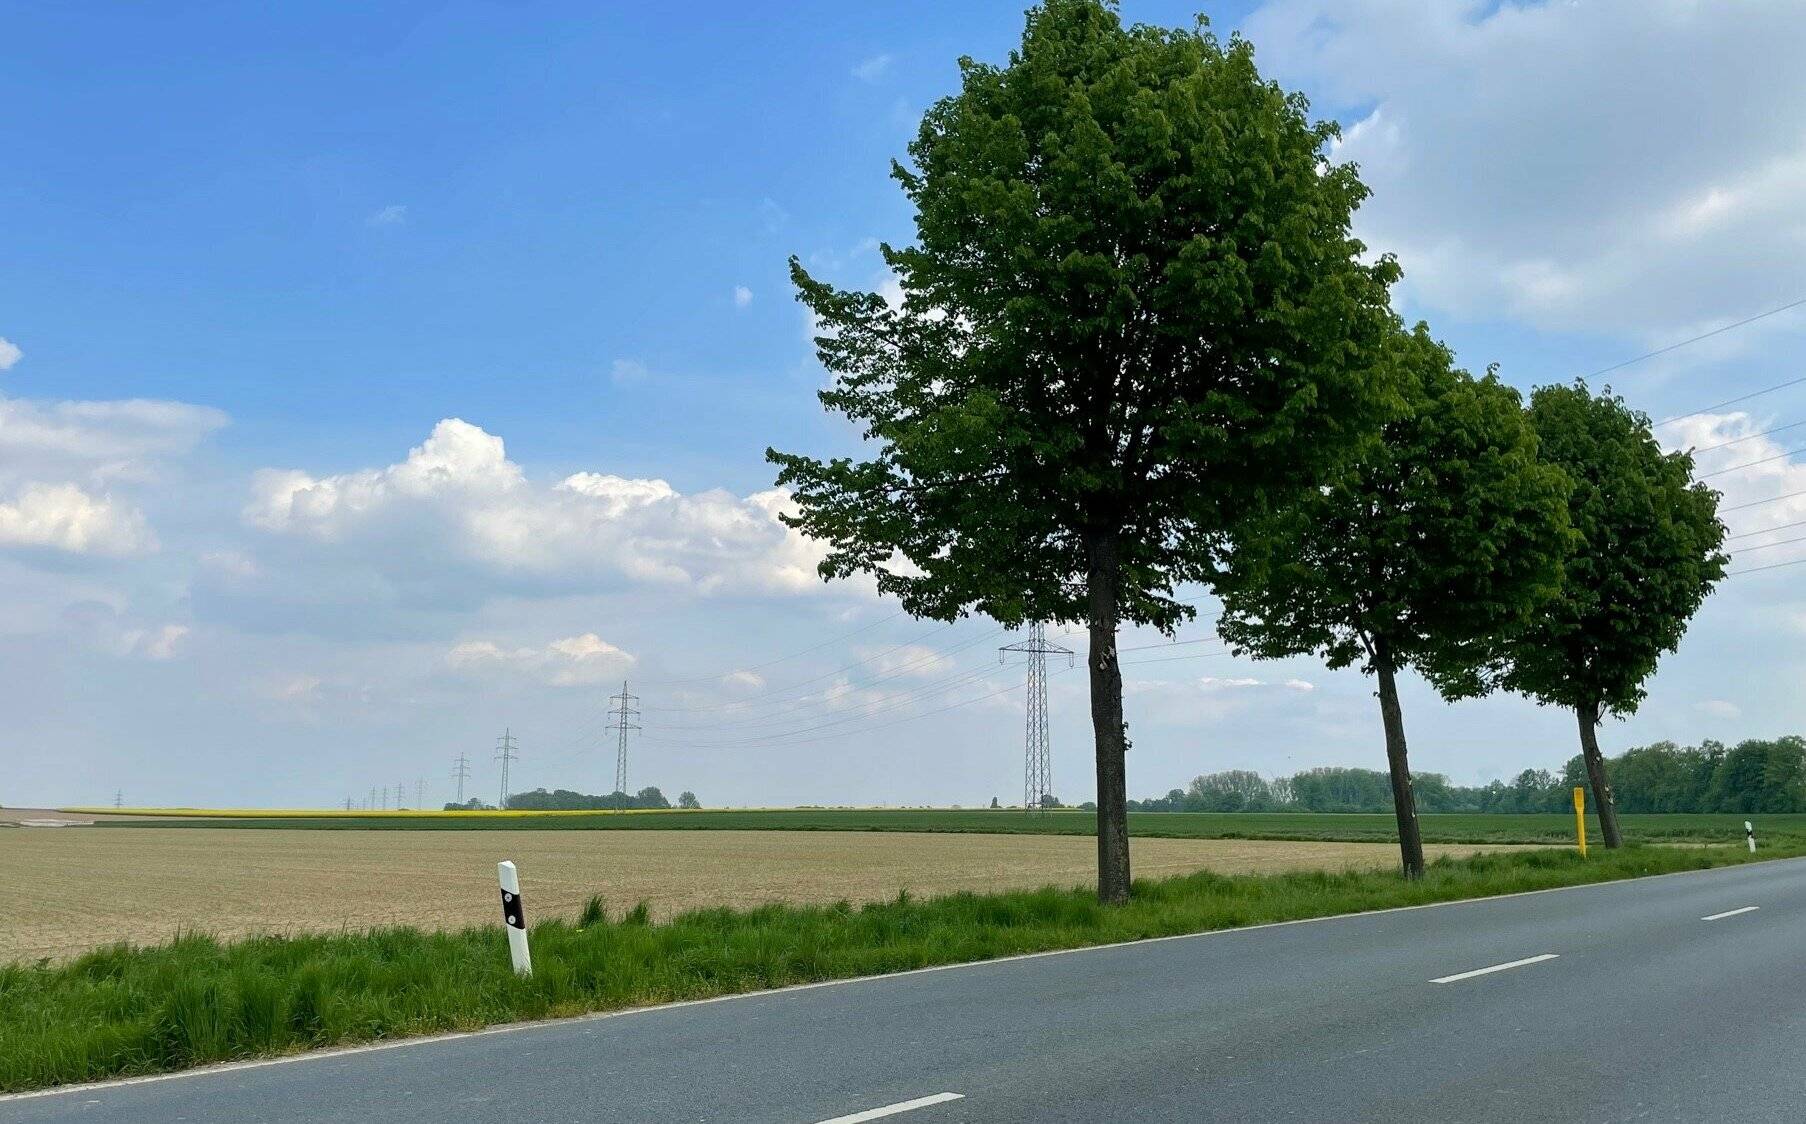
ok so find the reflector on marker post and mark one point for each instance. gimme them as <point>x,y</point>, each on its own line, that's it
<point>514,915</point>
<point>1580,818</point>
<point>1749,832</point>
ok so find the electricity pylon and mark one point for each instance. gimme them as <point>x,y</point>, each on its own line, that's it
<point>1037,752</point>
<point>622,716</point>
<point>506,742</point>
<point>461,774</point>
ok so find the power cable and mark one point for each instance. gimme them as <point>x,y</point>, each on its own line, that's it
<point>1770,566</point>
<point>1742,550</point>
<point>1695,339</point>
<point>1759,503</point>
<point>1733,401</point>
<point>1751,437</point>
<point>1767,530</point>
<point>1781,456</point>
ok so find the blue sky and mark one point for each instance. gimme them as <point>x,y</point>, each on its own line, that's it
<point>254,253</point>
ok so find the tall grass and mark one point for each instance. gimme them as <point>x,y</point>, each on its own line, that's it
<point>126,1010</point>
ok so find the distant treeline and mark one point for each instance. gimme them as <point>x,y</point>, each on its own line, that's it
<point>564,800</point>
<point>1752,776</point>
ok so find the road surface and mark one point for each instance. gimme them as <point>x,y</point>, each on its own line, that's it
<point>1675,998</point>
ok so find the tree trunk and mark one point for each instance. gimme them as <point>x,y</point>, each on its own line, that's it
<point>1404,803</point>
<point>1107,723</point>
<point>1588,714</point>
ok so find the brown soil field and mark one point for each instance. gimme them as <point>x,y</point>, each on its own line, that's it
<point>73,889</point>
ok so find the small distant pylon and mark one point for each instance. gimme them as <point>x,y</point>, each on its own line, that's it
<point>119,798</point>
<point>507,754</point>
<point>461,774</point>
<point>622,716</point>
<point>1037,750</point>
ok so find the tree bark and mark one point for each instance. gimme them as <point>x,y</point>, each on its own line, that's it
<point>1404,802</point>
<point>1107,722</point>
<point>1588,713</point>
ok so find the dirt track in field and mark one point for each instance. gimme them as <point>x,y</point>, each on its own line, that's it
<point>77,888</point>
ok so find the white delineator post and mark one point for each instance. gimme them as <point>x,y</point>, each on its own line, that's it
<point>515,917</point>
<point>1749,831</point>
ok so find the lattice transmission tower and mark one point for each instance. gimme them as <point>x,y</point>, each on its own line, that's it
<point>621,720</point>
<point>1037,749</point>
<point>461,773</point>
<point>506,744</point>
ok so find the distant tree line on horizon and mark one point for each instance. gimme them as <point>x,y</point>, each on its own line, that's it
<point>1755,775</point>
<point>565,800</point>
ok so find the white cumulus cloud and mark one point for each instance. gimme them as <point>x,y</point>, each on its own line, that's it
<point>457,496</point>
<point>9,353</point>
<point>66,518</point>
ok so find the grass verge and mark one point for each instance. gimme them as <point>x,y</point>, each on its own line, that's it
<point>126,1010</point>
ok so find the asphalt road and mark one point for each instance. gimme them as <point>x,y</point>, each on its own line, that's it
<point>1633,1001</point>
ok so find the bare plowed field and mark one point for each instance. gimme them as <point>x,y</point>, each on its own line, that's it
<point>75,888</point>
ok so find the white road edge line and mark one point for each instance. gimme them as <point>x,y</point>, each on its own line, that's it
<point>1731,913</point>
<point>1495,968</point>
<point>894,1109</point>
<point>330,1053</point>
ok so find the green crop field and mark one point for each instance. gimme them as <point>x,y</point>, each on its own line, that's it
<point>1313,826</point>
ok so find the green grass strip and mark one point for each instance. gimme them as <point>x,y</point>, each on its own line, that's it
<point>126,1010</point>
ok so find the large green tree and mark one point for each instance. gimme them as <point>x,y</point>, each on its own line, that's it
<point>1445,533</point>
<point>1646,553</point>
<point>1133,309</point>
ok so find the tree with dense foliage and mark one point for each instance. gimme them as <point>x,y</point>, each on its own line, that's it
<point>687,800</point>
<point>564,799</point>
<point>1442,536</point>
<point>1646,552</point>
<point>1753,776</point>
<point>1133,309</point>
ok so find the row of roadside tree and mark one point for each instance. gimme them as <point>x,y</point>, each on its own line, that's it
<point>1136,349</point>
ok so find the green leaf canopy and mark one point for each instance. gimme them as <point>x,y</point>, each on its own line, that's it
<point>1444,536</point>
<point>1133,310</point>
<point>1646,553</point>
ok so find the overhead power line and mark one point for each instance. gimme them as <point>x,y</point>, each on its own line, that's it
<point>1766,530</point>
<point>1716,406</point>
<point>1781,456</point>
<point>1695,339</point>
<point>1766,545</point>
<point>1770,566</point>
<point>1759,503</point>
<point>1751,437</point>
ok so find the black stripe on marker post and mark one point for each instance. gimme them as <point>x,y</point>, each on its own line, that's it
<point>512,912</point>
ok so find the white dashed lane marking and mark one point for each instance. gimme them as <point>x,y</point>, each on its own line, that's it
<point>1731,913</point>
<point>1495,968</point>
<point>894,1109</point>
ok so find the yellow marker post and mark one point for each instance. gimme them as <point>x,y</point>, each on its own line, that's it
<point>1580,818</point>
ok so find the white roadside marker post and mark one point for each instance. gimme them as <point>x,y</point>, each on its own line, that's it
<point>1749,831</point>
<point>515,917</point>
